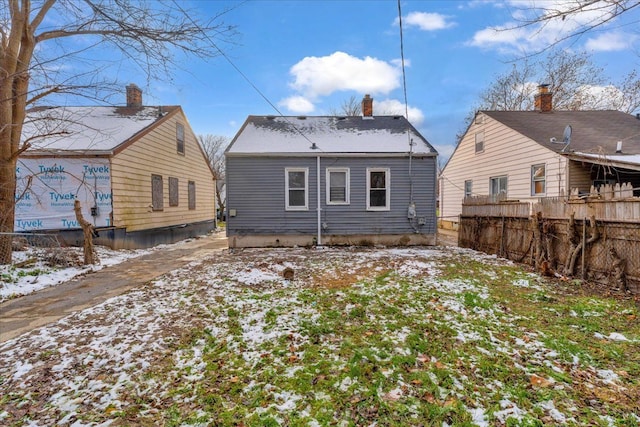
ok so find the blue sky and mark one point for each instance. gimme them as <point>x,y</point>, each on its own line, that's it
<point>308,57</point>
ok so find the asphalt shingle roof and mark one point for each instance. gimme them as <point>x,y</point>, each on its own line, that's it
<point>592,131</point>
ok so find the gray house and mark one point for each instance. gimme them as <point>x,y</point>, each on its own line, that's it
<point>330,180</point>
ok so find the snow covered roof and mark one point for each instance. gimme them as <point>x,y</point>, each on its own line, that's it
<point>86,129</point>
<point>320,135</point>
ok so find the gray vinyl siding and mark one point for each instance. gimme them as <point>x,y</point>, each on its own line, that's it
<point>256,191</point>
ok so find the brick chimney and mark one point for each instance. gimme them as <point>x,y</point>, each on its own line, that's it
<point>134,96</point>
<point>543,101</point>
<point>367,106</point>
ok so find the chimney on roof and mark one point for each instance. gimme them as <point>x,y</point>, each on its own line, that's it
<point>543,101</point>
<point>134,96</point>
<point>367,106</point>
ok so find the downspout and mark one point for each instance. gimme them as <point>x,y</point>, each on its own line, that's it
<point>319,210</point>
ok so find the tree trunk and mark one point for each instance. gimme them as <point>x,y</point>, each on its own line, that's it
<point>7,206</point>
<point>90,256</point>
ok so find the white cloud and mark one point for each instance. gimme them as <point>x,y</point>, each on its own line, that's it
<point>389,107</point>
<point>608,42</point>
<point>427,21</point>
<point>600,98</point>
<point>518,36</point>
<point>297,104</point>
<point>321,76</point>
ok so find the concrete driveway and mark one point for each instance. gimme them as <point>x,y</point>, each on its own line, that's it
<point>28,312</point>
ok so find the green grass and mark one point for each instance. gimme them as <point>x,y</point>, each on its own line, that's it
<point>397,350</point>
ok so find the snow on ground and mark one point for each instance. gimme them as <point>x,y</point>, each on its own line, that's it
<point>136,350</point>
<point>39,275</point>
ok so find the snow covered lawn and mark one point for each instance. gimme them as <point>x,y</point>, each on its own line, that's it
<point>406,337</point>
<point>40,274</point>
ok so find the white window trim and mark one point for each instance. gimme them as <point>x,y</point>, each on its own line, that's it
<point>306,189</point>
<point>347,194</point>
<point>533,181</point>
<point>498,177</point>
<point>470,192</point>
<point>387,176</point>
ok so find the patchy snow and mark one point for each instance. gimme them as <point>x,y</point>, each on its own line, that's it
<point>23,281</point>
<point>613,336</point>
<point>139,345</point>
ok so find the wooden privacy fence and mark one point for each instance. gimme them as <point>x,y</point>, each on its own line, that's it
<point>590,238</point>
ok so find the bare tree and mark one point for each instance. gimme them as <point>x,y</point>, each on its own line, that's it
<point>349,107</point>
<point>586,16</point>
<point>35,59</point>
<point>577,84</point>
<point>213,147</point>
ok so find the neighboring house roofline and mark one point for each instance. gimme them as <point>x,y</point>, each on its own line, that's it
<point>459,141</point>
<point>172,111</point>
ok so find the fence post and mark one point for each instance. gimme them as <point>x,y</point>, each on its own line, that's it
<point>584,244</point>
<point>502,238</point>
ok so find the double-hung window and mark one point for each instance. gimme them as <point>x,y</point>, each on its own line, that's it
<point>337,186</point>
<point>538,180</point>
<point>468,188</point>
<point>378,189</point>
<point>498,185</point>
<point>297,189</point>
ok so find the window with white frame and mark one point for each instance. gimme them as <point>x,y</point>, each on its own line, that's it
<point>468,188</point>
<point>498,185</point>
<point>378,191</point>
<point>538,180</point>
<point>337,186</point>
<point>479,142</point>
<point>297,184</point>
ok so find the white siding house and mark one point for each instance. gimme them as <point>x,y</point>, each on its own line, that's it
<point>526,155</point>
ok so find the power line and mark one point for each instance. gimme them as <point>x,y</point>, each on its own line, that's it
<point>244,76</point>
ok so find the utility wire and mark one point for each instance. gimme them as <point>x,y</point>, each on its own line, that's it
<point>244,76</point>
<point>406,104</point>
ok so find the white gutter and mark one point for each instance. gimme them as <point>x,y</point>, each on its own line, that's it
<point>319,242</point>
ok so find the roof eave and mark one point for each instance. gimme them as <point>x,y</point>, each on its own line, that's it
<point>329,154</point>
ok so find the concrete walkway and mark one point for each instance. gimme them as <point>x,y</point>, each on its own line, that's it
<point>28,312</point>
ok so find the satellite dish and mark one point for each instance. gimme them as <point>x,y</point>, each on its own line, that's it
<point>566,136</point>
